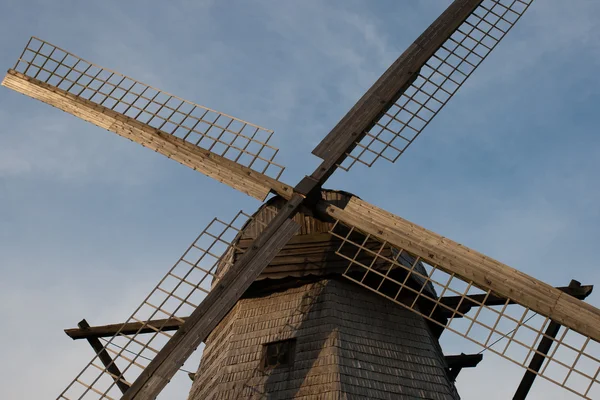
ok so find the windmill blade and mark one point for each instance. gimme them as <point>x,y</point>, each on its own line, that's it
<point>175,297</point>
<point>481,291</point>
<point>204,266</point>
<point>230,150</point>
<point>394,111</point>
<point>234,282</point>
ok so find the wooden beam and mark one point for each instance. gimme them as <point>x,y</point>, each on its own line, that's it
<point>221,299</point>
<point>220,168</point>
<point>470,265</point>
<point>106,359</point>
<point>463,360</point>
<point>458,362</point>
<point>579,292</point>
<point>334,148</point>
<point>542,350</point>
<point>130,328</point>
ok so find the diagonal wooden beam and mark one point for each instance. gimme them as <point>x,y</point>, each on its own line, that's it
<point>220,168</point>
<point>470,265</point>
<point>542,350</point>
<point>333,149</point>
<point>172,324</point>
<point>106,359</point>
<point>216,305</point>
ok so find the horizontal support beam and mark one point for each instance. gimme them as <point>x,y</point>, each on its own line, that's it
<point>463,360</point>
<point>130,328</point>
<point>579,292</point>
<point>220,168</point>
<point>470,265</point>
<point>172,324</point>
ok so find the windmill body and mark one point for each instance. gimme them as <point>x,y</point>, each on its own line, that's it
<point>330,338</point>
<point>319,294</point>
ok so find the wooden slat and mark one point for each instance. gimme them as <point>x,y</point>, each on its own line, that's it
<point>388,88</point>
<point>470,265</point>
<point>223,296</point>
<point>220,168</point>
<point>129,328</point>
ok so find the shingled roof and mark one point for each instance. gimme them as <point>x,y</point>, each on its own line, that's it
<point>312,252</point>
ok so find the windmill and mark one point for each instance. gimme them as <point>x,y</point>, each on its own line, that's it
<point>447,285</point>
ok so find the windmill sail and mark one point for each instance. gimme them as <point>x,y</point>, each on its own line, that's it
<point>418,85</point>
<point>223,147</point>
<point>488,303</point>
<point>175,297</point>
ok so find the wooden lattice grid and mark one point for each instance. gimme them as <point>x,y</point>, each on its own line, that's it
<point>222,134</point>
<point>175,297</point>
<point>456,304</point>
<point>438,80</point>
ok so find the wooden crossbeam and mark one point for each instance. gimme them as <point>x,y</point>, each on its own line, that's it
<point>544,347</point>
<point>579,292</point>
<point>172,324</point>
<point>457,362</point>
<point>105,358</point>
<point>220,168</point>
<point>130,328</point>
<point>463,360</point>
<point>470,265</point>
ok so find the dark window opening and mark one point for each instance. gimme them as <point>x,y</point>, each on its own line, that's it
<point>279,354</point>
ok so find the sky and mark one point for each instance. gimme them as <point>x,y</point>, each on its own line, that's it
<point>90,221</point>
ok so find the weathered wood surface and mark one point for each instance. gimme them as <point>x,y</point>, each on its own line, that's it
<point>105,359</point>
<point>350,344</point>
<point>221,299</point>
<point>315,254</point>
<point>129,328</point>
<point>471,265</point>
<point>388,88</point>
<point>220,168</point>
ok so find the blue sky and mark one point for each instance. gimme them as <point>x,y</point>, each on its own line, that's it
<point>89,221</point>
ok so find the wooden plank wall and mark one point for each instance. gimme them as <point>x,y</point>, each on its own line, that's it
<point>350,343</point>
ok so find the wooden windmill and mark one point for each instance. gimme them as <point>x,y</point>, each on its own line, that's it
<point>318,294</point>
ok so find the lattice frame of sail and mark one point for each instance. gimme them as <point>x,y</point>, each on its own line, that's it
<point>509,329</point>
<point>237,140</point>
<point>438,80</point>
<point>175,297</point>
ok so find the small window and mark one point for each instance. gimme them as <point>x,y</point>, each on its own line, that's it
<point>279,354</point>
